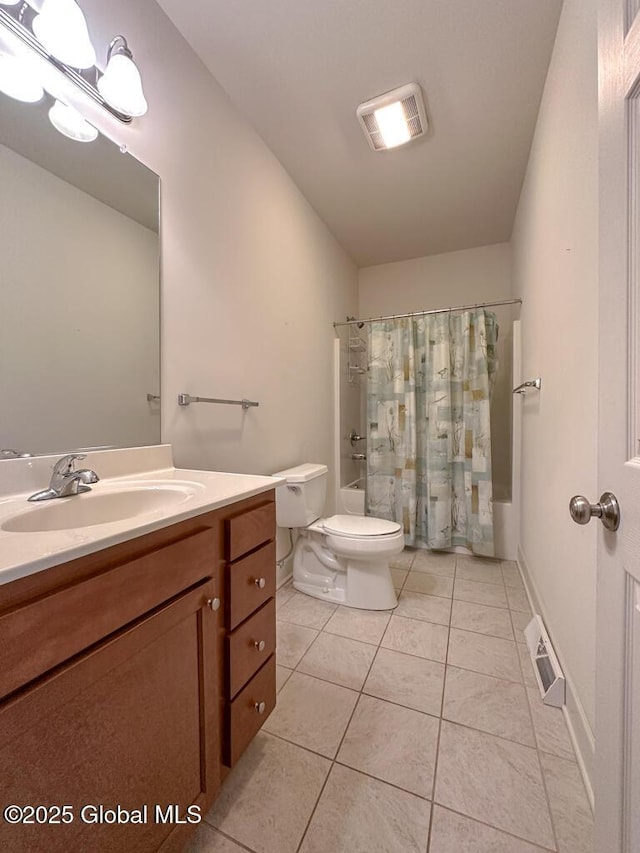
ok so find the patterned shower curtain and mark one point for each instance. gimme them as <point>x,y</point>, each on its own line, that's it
<point>429,382</point>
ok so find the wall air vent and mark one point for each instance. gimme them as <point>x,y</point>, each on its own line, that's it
<point>394,118</point>
<point>546,667</point>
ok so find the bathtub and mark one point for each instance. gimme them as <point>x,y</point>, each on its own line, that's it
<point>351,499</point>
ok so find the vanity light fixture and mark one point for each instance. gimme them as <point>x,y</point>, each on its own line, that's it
<point>55,31</point>
<point>62,29</point>
<point>394,118</point>
<point>19,79</point>
<point>121,84</point>
<point>70,123</point>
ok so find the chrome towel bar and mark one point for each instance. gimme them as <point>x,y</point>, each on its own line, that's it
<point>531,383</point>
<point>186,399</point>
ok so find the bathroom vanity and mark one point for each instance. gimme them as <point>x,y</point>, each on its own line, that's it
<point>136,656</point>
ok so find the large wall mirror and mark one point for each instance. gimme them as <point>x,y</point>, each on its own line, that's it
<point>79,290</point>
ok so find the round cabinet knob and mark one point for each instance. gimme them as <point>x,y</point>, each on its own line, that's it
<point>607,510</point>
<point>260,707</point>
<point>214,603</point>
<point>260,645</point>
<point>261,582</point>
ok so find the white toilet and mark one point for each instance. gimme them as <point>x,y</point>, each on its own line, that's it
<point>343,558</point>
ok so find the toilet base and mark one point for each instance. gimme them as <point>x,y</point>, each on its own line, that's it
<point>366,585</point>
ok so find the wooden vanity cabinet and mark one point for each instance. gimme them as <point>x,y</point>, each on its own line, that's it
<point>122,682</point>
<point>250,625</point>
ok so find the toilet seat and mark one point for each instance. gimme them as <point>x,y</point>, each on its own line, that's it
<point>362,527</point>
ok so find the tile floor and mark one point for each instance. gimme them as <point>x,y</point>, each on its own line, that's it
<point>419,729</point>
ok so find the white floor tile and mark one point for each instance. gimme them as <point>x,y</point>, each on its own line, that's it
<point>549,725</point>
<point>570,809</point>
<point>338,659</point>
<point>312,713</point>
<point>393,743</point>
<point>357,814</point>
<point>292,641</point>
<point>494,621</point>
<point>209,840</point>
<point>479,570</point>
<point>435,563</point>
<point>269,796</point>
<point>415,637</point>
<point>491,594</point>
<point>410,681</point>
<point>305,610</point>
<point>493,780</point>
<point>429,584</point>
<point>454,833</point>
<point>518,600</point>
<point>431,608</point>
<point>480,653</point>
<point>368,626</point>
<point>489,704</point>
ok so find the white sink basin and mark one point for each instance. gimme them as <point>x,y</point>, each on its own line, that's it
<point>102,505</point>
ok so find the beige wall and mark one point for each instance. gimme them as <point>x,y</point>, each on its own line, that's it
<point>251,278</point>
<point>555,272</point>
<point>78,328</point>
<point>442,281</point>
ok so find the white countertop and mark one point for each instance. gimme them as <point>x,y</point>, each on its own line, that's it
<point>22,554</point>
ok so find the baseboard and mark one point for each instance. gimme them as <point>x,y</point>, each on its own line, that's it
<point>580,730</point>
<point>282,581</point>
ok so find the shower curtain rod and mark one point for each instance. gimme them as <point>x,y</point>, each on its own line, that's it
<point>434,311</point>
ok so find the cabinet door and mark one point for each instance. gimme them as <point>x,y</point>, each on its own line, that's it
<point>131,723</point>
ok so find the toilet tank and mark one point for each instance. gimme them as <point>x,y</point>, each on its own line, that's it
<point>300,500</point>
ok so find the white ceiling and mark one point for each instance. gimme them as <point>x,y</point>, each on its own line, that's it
<point>297,69</point>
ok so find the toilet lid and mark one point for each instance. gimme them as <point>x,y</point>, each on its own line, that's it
<point>360,525</point>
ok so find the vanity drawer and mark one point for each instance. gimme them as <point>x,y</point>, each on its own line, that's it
<point>244,651</point>
<point>244,578</point>
<point>245,717</point>
<point>247,531</point>
<point>49,630</point>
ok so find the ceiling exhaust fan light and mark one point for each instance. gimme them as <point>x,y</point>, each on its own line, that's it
<point>394,118</point>
<point>70,123</point>
<point>19,80</point>
<point>121,84</point>
<point>61,28</point>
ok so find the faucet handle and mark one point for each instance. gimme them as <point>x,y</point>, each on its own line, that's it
<point>66,464</point>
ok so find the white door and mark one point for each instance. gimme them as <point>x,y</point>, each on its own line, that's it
<point>617,776</point>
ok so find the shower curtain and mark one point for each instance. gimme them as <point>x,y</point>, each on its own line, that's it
<point>429,382</point>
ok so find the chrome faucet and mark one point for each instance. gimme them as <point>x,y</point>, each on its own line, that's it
<point>66,481</point>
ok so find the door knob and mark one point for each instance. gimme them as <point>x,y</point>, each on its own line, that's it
<point>607,510</point>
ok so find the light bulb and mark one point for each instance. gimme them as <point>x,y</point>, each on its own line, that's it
<point>121,85</point>
<point>62,30</point>
<point>69,122</point>
<point>19,79</point>
<point>393,125</point>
